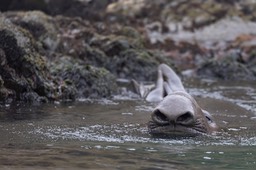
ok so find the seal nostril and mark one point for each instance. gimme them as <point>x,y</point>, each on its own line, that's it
<point>159,118</point>
<point>186,118</point>
<point>160,115</point>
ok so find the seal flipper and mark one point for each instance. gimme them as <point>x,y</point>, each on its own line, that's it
<point>167,88</point>
<point>141,89</point>
<point>171,78</point>
<point>157,94</point>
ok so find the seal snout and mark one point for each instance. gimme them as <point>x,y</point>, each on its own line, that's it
<point>185,118</point>
<point>175,109</point>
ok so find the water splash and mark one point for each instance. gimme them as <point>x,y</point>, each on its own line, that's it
<point>135,133</point>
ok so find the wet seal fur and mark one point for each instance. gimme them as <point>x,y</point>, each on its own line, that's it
<point>177,112</point>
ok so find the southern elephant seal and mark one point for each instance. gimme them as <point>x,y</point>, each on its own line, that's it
<point>177,112</point>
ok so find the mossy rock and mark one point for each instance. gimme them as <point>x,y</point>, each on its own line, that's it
<point>89,81</point>
<point>23,70</point>
<point>23,5</point>
<point>41,26</point>
<point>225,69</point>
<point>121,52</point>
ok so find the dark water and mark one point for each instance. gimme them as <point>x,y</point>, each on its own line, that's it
<point>112,134</point>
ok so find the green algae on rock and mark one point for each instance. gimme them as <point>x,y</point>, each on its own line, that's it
<point>40,25</point>
<point>34,69</point>
<point>26,77</point>
<point>23,70</point>
<point>120,50</point>
<point>224,69</point>
<point>88,80</point>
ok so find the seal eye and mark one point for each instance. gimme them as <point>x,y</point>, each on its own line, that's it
<point>208,116</point>
<point>209,119</point>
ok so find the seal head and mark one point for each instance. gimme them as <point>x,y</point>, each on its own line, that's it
<point>178,114</point>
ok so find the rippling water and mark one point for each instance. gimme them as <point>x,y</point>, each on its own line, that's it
<point>112,134</point>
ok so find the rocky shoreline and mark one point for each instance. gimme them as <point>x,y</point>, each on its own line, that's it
<point>56,52</point>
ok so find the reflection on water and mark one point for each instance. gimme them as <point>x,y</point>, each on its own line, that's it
<point>112,134</point>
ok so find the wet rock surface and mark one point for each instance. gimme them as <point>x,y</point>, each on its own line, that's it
<point>46,58</point>
<point>58,50</point>
<point>83,80</point>
<point>23,69</point>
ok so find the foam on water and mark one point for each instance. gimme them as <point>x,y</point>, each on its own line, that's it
<point>134,133</point>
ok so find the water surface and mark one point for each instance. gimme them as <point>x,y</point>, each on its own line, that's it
<point>112,134</point>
